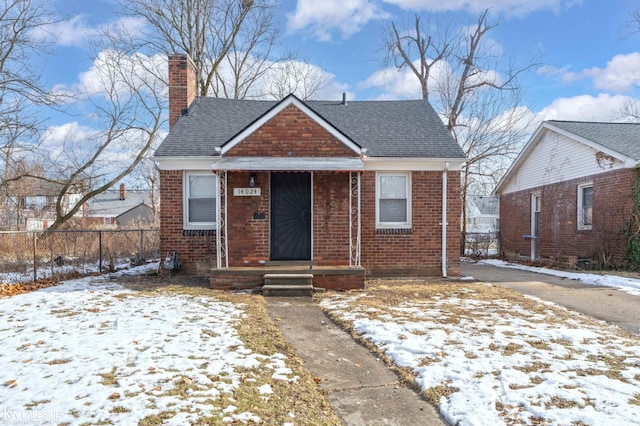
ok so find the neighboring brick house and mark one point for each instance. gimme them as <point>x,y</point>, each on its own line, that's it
<point>345,189</point>
<point>567,197</point>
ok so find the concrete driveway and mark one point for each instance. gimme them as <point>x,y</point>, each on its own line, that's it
<point>605,303</point>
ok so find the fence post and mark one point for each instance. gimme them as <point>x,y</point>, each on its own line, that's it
<point>35,262</point>
<point>141,247</point>
<point>100,251</point>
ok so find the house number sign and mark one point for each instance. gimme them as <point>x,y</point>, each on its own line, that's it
<point>246,192</point>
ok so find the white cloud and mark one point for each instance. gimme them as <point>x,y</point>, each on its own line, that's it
<point>77,32</point>
<point>276,80</point>
<point>321,18</point>
<point>510,7</point>
<point>403,84</point>
<point>621,74</point>
<point>394,83</point>
<point>563,74</point>
<point>116,73</point>
<point>56,138</point>
<point>604,107</point>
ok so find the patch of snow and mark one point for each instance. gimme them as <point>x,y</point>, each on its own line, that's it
<point>91,350</point>
<point>265,389</point>
<point>629,285</point>
<point>505,364</point>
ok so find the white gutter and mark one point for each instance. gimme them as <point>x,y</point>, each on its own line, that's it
<point>444,220</point>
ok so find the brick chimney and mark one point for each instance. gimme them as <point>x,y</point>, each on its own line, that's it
<point>182,86</point>
<point>123,192</point>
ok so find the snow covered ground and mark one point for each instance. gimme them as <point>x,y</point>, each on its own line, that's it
<point>497,361</point>
<point>629,285</point>
<point>90,350</point>
<point>83,268</point>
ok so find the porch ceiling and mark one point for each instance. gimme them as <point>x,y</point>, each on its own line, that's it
<point>289,164</point>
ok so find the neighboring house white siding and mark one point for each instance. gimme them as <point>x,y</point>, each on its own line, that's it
<point>557,158</point>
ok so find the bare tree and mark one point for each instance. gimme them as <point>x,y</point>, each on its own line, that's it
<point>428,45</point>
<point>631,109</point>
<point>459,73</point>
<point>128,113</point>
<point>303,79</point>
<point>233,34</point>
<point>21,89</point>
<point>633,23</point>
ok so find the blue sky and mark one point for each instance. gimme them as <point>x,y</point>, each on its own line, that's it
<point>590,70</point>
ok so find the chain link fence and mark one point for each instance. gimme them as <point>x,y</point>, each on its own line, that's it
<point>32,255</point>
<point>481,244</point>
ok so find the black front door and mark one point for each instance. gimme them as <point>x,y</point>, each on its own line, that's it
<point>290,216</point>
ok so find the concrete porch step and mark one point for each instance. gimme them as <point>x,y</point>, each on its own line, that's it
<point>287,285</point>
<point>288,279</point>
<point>283,290</point>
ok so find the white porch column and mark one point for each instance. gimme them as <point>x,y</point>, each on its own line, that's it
<point>222,259</point>
<point>354,219</point>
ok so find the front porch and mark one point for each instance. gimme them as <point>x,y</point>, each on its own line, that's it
<point>249,277</point>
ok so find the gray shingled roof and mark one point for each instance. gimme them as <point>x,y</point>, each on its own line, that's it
<point>623,138</point>
<point>109,203</point>
<point>385,128</point>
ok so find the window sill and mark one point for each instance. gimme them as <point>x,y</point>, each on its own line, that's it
<point>394,231</point>
<point>198,232</point>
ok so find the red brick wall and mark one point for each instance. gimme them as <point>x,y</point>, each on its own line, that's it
<point>248,237</point>
<point>196,250</point>
<point>418,252</point>
<point>331,218</point>
<point>560,239</point>
<point>383,253</point>
<point>291,131</point>
<point>182,86</point>
<point>334,280</point>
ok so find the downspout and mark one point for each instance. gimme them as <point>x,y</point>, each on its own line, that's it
<point>444,220</point>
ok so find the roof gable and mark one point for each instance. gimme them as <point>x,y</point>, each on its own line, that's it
<point>285,112</point>
<point>554,154</point>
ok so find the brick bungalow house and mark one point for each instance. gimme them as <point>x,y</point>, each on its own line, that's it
<point>567,197</point>
<point>342,189</point>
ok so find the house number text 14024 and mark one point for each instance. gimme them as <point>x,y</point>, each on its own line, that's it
<point>246,192</point>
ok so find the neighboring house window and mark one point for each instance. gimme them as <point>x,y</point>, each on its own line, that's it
<point>107,221</point>
<point>585,206</point>
<point>200,193</point>
<point>393,200</point>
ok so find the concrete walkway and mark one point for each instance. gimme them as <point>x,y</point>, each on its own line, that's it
<point>360,388</point>
<point>605,303</point>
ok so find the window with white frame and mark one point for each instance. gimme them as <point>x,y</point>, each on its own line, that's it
<point>200,194</point>
<point>585,206</point>
<point>393,200</point>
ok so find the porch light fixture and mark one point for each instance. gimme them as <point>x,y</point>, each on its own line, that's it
<point>252,179</point>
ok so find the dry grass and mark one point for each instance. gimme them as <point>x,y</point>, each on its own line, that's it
<point>8,290</point>
<point>300,402</point>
